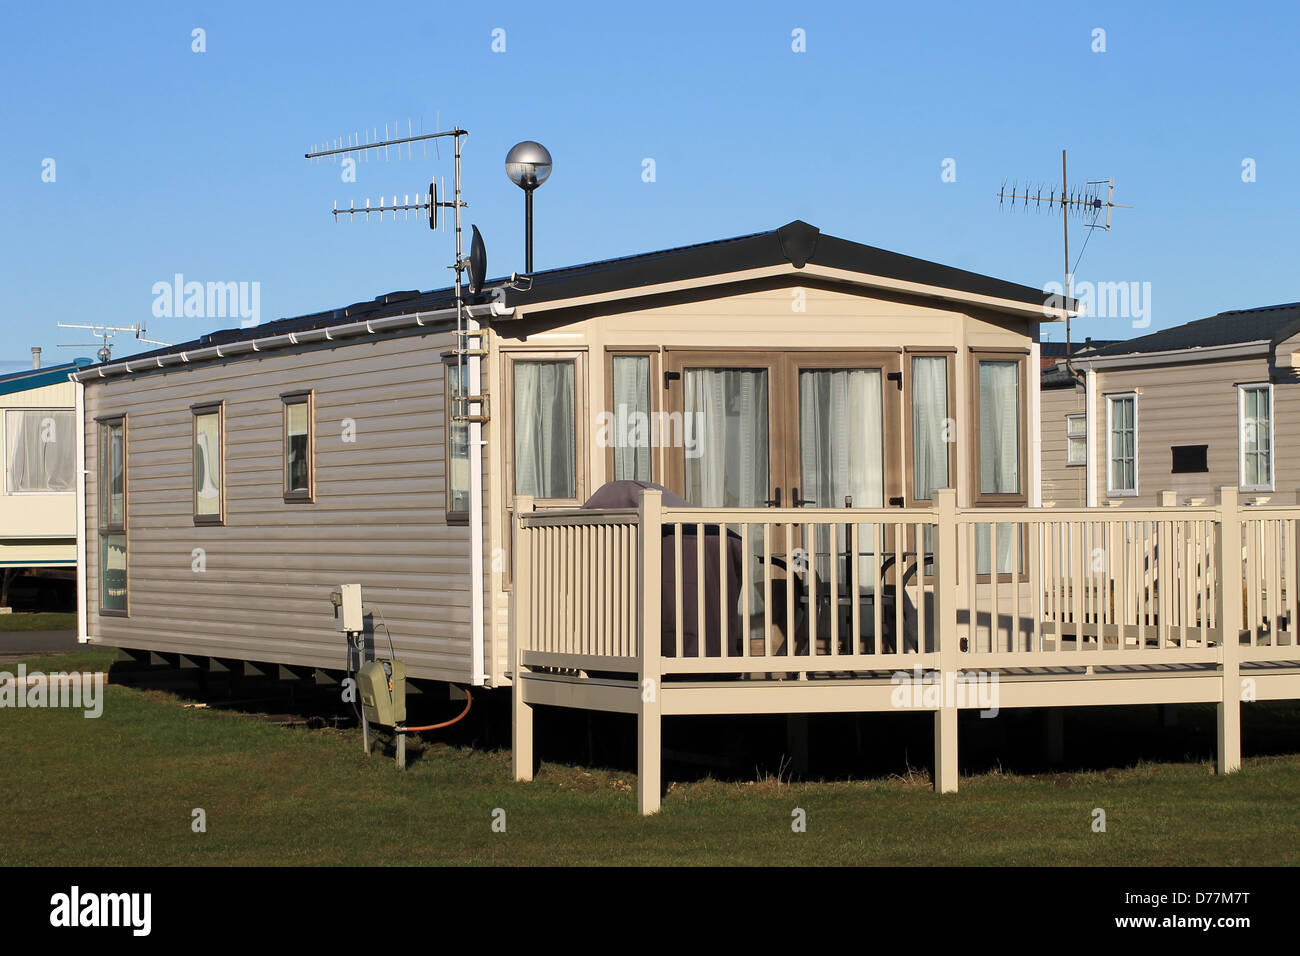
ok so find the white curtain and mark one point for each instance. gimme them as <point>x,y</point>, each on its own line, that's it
<point>841,452</point>
<point>40,450</point>
<point>999,442</point>
<point>632,404</point>
<point>730,412</point>
<point>207,464</point>
<point>929,421</point>
<point>545,448</point>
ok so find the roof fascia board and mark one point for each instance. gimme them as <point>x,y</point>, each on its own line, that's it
<point>280,340</point>
<point>1204,353</point>
<point>812,271</point>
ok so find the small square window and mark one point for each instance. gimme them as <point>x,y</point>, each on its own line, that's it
<point>1076,439</point>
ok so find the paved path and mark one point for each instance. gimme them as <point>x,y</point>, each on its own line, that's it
<point>37,642</point>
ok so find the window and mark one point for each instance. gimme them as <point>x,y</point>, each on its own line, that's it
<point>40,451</point>
<point>111,489</point>
<point>1076,439</point>
<point>209,464</point>
<point>544,421</point>
<point>1255,413</point>
<point>457,440</point>
<point>1121,428</point>
<point>298,446</point>
<point>632,419</point>
<point>931,426</point>
<point>1000,446</point>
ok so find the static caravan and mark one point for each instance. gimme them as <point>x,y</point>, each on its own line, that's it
<point>38,439</point>
<point>1173,415</point>
<point>234,481</point>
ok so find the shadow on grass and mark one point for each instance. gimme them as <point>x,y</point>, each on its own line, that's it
<point>758,748</point>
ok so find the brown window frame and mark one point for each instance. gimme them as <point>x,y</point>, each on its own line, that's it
<point>104,525</point>
<point>1019,499</point>
<point>909,441</point>
<point>990,500</point>
<point>302,495</point>
<point>196,411</point>
<point>656,405</point>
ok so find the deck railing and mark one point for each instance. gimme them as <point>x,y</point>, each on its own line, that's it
<point>842,591</point>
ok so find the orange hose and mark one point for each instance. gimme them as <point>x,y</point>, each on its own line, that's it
<point>469,702</point>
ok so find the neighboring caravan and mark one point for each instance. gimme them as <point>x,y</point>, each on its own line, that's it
<point>1184,410</point>
<point>38,440</point>
<point>232,482</point>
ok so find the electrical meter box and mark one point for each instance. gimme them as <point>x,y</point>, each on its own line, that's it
<point>381,685</point>
<point>347,609</point>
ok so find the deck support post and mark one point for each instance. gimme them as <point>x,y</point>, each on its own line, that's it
<point>521,727</point>
<point>945,718</point>
<point>1054,734</point>
<point>649,753</point>
<point>1230,620</point>
<point>796,743</point>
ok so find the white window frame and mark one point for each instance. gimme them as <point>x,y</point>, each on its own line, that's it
<point>1242,389</point>
<point>1111,490</point>
<point>1082,436</point>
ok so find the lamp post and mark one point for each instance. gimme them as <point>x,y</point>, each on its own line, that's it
<point>528,164</point>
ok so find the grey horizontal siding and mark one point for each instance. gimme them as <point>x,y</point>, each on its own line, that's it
<point>378,516</point>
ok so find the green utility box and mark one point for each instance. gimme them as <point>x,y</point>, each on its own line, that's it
<point>381,684</point>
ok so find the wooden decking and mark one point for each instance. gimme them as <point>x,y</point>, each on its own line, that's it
<point>898,608</point>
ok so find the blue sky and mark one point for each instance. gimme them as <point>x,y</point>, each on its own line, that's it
<point>170,161</point>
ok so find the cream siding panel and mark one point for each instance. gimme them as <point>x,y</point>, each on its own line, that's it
<point>784,316</point>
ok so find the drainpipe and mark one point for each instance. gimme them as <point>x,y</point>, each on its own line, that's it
<point>475,442</point>
<point>79,404</point>
<point>1090,469</point>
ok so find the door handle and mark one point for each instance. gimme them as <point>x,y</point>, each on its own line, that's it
<point>797,502</point>
<point>896,502</point>
<point>774,502</point>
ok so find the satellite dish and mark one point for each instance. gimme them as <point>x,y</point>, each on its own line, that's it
<point>477,262</point>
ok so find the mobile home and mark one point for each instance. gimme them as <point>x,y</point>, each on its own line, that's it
<point>836,444</point>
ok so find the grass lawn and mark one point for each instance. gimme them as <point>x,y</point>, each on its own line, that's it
<point>121,790</point>
<point>52,621</point>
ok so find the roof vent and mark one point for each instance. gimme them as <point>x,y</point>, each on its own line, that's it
<point>798,242</point>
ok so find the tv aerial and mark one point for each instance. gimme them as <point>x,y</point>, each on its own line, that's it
<point>1083,203</point>
<point>105,333</point>
<point>426,206</point>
